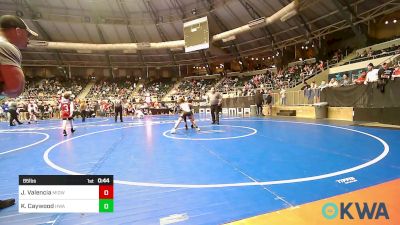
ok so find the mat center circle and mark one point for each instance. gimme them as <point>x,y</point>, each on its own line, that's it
<point>212,133</point>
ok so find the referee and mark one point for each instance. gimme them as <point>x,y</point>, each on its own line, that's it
<point>13,114</point>
<point>118,108</point>
<point>215,100</point>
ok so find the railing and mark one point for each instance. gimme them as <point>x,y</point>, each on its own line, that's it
<point>205,77</point>
<point>251,73</point>
<point>296,98</point>
<point>380,46</point>
<point>372,57</point>
<point>306,61</point>
<point>293,98</point>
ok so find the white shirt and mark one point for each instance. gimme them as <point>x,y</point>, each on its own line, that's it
<point>283,93</point>
<point>185,107</point>
<point>372,76</point>
<point>139,113</point>
<point>32,107</point>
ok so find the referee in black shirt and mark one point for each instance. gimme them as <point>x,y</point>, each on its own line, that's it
<point>215,100</point>
<point>118,108</point>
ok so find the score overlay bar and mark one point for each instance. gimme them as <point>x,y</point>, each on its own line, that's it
<point>66,193</point>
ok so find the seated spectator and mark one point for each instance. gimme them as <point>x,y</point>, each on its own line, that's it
<point>396,72</point>
<point>361,78</point>
<point>321,65</point>
<point>370,52</point>
<point>345,80</point>
<point>333,83</point>
<point>323,85</point>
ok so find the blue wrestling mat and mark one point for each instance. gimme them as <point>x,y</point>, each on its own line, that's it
<point>241,168</point>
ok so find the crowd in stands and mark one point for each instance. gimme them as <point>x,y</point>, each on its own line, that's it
<point>371,74</point>
<point>157,89</point>
<point>107,89</point>
<point>50,89</point>
<point>369,54</point>
<point>194,89</point>
<point>288,77</point>
<point>45,93</point>
<point>337,56</point>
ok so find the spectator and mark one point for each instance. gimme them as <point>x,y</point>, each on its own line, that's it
<point>323,85</point>
<point>361,78</point>
<point>283,95</point>
<point>14,35</point>
<point>333,83</point>
<point>384,74</point>
<point>345,80</point>
<point>396,72</point>
<point>268,100</point>
<point>83,108</point>
<point>372,74</point>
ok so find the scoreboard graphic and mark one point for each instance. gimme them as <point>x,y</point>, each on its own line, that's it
<point>66,193</point>
<point>196,34</point>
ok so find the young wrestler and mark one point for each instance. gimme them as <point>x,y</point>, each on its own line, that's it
<point>32,110</point>
<point>138,114</point>
<point>67,110</point>
<point>186,111</point>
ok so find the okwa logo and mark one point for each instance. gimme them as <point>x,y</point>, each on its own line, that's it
<point>355,210</point>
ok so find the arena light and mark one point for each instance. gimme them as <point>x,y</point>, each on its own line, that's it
<point>394,21</point>
<point>257,22</point>
<point>386,22</point>
<point>34,43</point>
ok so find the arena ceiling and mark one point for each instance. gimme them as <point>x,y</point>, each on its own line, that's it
<point>136,21</point>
